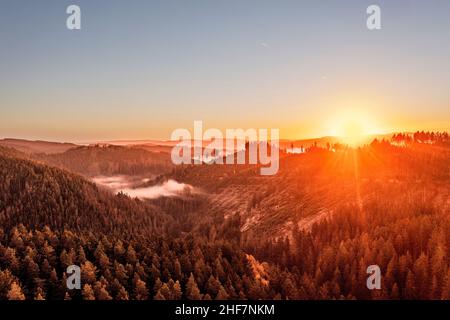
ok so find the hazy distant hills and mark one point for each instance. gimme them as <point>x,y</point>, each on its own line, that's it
<point>27,146</point>
<point>109,160</point>
<point>48,147</point>
<point>323,141</point>
<point>145,142</point>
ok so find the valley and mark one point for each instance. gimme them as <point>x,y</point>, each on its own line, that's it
<point>142,228</point>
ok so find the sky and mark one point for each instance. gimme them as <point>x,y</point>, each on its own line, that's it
<point>139,69</point>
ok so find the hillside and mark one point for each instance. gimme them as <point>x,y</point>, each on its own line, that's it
<point>50,219</point>
<point>29,147</point>
<point>107,160</point>
<point>307,233</point>
<point>37,196</point>
<point>313,185</point>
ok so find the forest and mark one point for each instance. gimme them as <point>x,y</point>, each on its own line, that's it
<point>308,232</point>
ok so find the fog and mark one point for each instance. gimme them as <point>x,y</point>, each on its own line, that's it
<point>170,188</point>
<point>115,183</point>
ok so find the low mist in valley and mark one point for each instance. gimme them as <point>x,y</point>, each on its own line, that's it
<point>129,185</point>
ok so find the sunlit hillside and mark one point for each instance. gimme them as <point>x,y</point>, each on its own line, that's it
<point>308,232</point>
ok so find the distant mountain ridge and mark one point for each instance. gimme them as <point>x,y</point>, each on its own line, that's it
<point>49,147</point>
<point>36,146</point>
<point>91,161</point>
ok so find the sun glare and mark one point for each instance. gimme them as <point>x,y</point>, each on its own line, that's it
<point>352,133</point>
<point>354,128</point>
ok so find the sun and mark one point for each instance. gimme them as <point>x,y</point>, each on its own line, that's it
<point>352,133</point>
<point>354,128</point>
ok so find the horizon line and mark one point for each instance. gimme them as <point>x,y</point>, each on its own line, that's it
<point>149,140</point>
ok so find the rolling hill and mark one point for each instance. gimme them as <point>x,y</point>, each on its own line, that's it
<point>108,160</point>
<point>37,146</point>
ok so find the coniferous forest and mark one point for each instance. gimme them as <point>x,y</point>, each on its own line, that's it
<point>309,232</point>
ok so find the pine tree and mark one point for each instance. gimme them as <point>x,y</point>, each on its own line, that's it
<point>140,289</point>
<point>120,273</point>
<point>410,286</point>
<point>213,286</point>
<point>177,270</point>
<point>100,291</point>
<point>159,296</point>
<point>421,276</point>
<point>395,294</point>
<point>88,272</point>
<point>222,295</point>
<point>40,294</point>
<point>434,289</point>
<point>157,286</point>
<point>122,294</point>
<point>6,279</point>
<point>15,292</point>
<point>131,255</point>
<point>207,297</point>
<point>176,291</point>
<point>192,291</point>
<point>119,250</point>
<point>446,288</point>
<point>88,293</point>
<point>165,292</point>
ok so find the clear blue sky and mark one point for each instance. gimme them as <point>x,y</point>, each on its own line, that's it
<point>139,69</point>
